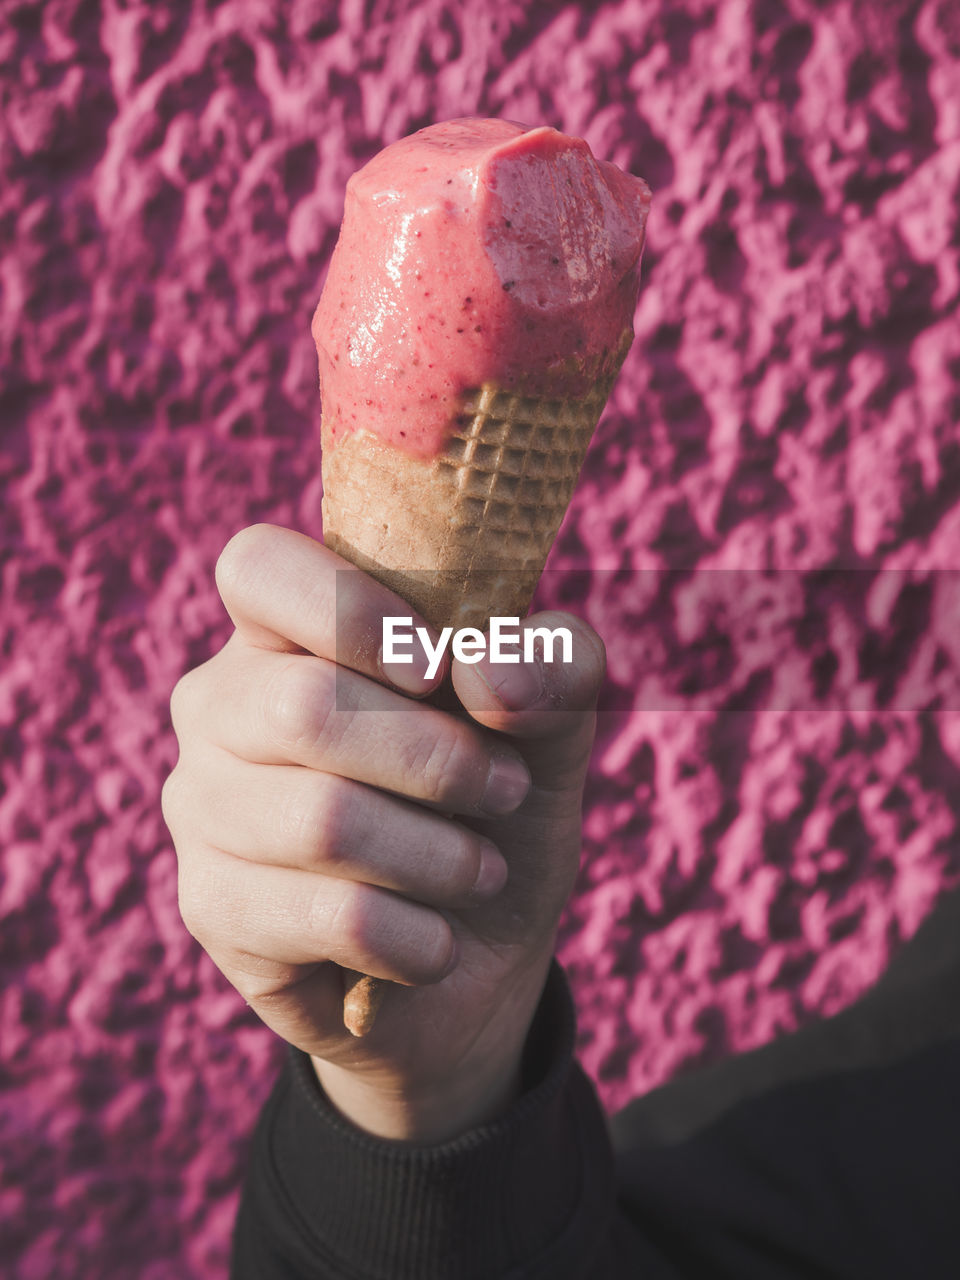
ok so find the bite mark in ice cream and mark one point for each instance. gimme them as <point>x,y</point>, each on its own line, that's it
<point>474,251</point>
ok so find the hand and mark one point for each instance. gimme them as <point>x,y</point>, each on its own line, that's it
<point>323,817</point>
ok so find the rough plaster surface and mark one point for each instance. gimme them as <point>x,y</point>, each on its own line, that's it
<point>774,801</point>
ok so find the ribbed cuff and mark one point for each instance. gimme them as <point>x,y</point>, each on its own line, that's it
<point>527,1195</point>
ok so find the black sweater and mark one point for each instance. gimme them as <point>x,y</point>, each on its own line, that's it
<point>834,1152</point>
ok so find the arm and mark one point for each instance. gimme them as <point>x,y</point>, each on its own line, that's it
<point>324,818</point>
<point>530,1193</point>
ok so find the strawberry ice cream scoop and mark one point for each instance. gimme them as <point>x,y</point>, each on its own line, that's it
<point>473,252</point>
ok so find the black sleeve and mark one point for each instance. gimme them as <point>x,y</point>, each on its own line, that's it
<point>830,1154</point>
<point>834,1152</point>
<point>531,1195</point>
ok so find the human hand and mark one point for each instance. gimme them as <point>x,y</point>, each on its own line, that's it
<point>324,818</point>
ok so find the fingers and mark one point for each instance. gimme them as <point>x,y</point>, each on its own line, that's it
<point>297,818</point>
<point>275,708</point>
<point>240,909</point>
<point>549,702</point>
<point>287,592</point>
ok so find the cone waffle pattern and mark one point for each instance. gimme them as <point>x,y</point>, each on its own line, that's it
<point>466,535</point>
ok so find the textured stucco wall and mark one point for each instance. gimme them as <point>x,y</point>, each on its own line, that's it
<point>774,801</point>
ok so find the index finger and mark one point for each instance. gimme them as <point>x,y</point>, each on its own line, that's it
<point>285,591</point>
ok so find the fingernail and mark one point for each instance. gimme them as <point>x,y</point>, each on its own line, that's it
<point>515,685</point>
<point>507,784</point>
<point>492,875</point>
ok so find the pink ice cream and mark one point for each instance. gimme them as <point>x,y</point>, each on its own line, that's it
<point>474,251</point>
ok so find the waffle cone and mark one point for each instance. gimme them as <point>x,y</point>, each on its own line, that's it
<point>464,536</point>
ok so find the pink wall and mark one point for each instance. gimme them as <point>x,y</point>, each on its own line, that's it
<point>775,796</point>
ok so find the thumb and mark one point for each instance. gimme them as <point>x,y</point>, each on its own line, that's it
<point>546,700</point>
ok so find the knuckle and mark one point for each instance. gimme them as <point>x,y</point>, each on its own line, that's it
<point>453,866</point>
<point>181,699</point>
<point>298,704</point>
<point>254,990</point>
<point>258,979</point>
<point>318,820</point>
<point>238,559</point>
<point>436,763</point>
<point>368,924</point>
<point>171,795</point>
<point>352,923</point>
<point>251,989</point>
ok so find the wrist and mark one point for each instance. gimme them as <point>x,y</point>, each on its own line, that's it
<point>434,1094</point>
<point>426,1114</point>
<point>358,1192</point>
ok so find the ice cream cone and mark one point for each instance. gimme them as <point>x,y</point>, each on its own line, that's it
<point>463,536</point>
<point>481,254</point>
